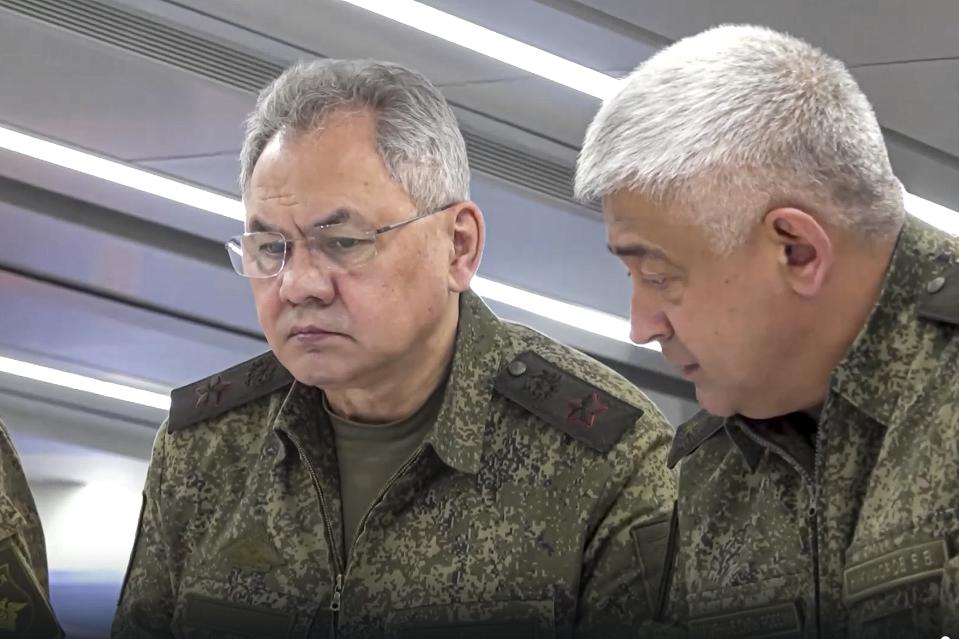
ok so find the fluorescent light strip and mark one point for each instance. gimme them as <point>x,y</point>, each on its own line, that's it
<point>119,173</point>
<point>551,67</point>
<point>599,323</point>
<point>492,44</point>
<point>932,213</point>
<point>84,383</point>
<point>596,322</point>
<point>136,178</point>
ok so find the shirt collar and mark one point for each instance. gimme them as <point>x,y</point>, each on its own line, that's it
<point>458,437</point>
<point>893,348</point>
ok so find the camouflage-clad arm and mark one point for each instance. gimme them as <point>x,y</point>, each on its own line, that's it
<point>625,558</point>
<point>18,512</point>
<point>146,601</point>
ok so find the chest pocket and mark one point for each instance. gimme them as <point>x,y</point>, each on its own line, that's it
<point>773,607</point>
<point>245,605</point>
<point>910,589</point>
<point>481,620</point>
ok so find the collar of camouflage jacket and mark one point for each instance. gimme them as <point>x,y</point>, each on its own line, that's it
<point>458,435</point>
<point>691,435</point>
<point>898,341</point>
<point>898,344</point>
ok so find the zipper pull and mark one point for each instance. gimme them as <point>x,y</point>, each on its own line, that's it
<point>337,594</point>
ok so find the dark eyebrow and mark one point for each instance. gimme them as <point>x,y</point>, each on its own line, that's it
<point>336,216</point>
<point>638,250</point>
<point>259,226</point>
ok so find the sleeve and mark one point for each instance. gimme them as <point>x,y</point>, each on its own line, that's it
<point>18,512</point>
<point>145,607</point>
<point>623,592</point>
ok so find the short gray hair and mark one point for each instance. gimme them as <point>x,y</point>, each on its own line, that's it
<point>416,131</point>
<point>737,118</point>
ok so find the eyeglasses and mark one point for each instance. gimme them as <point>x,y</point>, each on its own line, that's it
<point>264,253</point>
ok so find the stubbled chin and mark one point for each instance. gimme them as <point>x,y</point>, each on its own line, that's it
<point>326,369</point>
<point>714,403</point>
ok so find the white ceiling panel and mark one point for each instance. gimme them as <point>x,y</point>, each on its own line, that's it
<point>38,417</point>
<point>533,104</point>
<point>104,99</point>
<point>120,198</point>
<point>920,100</point>
<point>218,172</point>
<point>173,121</point>
<point>553,30</point>
<point>549,249</point>
<point>124,344</point>
<point>858,31</point>
<point>336,29</point>
<point>925,171</point>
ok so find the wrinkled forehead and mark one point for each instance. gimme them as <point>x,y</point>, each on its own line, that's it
<point>631,211</point>
<point>639,226</point>
<point>327,176</point>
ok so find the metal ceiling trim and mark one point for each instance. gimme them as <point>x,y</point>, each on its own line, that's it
<point>197,54</point>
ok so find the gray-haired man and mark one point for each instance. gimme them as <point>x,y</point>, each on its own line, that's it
<point>746,186</point>
<point>401,463</point>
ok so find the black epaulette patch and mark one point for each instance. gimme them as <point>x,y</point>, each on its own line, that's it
<point>940,299</point>
<point>24,610</point>
<point>572,405</point>
<point>228,389</point>
<point>692,434</point>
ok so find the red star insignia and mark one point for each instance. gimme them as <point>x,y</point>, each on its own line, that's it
<point>585,411</point>
<point>212,390</point>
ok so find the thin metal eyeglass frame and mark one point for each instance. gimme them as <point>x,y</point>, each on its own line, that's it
<point>375,233</point>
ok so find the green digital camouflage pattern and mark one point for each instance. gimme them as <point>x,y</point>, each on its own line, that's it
<point>505,523</point>
<point>24,591</point>
<point>849,528</point>
<point>18,513</point>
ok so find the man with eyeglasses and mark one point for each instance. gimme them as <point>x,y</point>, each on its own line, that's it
<point>402,462</point>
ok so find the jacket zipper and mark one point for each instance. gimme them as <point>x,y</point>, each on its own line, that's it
<point>812,486</point>
<point>335,601</point>
<point>818,468</point>
<point>359,528</point>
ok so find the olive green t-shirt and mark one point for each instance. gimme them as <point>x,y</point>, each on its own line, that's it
<point>369,456</point>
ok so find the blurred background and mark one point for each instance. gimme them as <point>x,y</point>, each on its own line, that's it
<point>107,275</point>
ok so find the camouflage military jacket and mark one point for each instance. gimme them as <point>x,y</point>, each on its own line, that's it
<point>24,609</point>
<point>848,527</point>
<point>538,505</point>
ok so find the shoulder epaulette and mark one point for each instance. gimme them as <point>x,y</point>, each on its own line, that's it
<point>572,405</point>
<point>940,299</point>
<point>225,390</point>
<point>692,434</point>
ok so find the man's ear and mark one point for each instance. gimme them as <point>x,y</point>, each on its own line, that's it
<point>804,250</point>
<point>469,237</point>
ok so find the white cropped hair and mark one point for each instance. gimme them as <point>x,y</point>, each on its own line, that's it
<point>733,119</point>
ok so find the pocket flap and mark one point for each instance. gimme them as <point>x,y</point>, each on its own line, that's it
<point>474,620</point>
<point>216,615</point>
